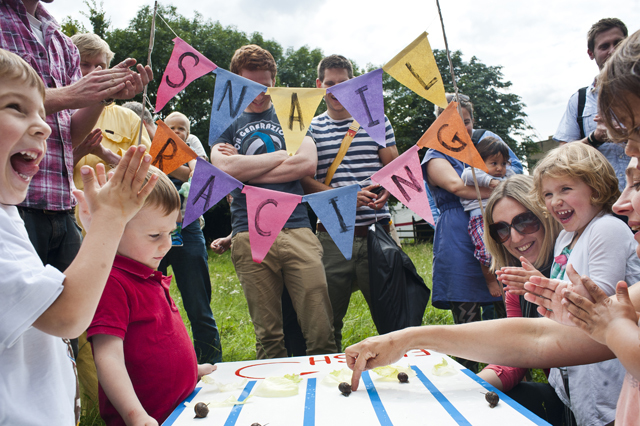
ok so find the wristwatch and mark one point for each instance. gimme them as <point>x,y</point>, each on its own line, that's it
<point>593,141</point>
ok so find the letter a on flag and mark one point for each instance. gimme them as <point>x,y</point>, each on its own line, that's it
<point>449,136</point>
<point>416,68</point>
<point>403,178</point>
<point>185,65</point>
<point>295,107</point>
<point>169,151</point>
<point>231,96</point>
<point>209,185</point>
<point>267,212</point>
<point>336,209</point>
<point>362,97</point>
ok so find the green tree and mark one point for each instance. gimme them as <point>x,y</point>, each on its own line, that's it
<point>70,26</point>
<point>97,17</point>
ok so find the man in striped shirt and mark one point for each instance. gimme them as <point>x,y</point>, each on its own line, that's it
<point>364,158</point>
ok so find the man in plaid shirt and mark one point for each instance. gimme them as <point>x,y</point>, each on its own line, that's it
<point>73,105</point>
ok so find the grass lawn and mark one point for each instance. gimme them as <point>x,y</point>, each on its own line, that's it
<point>232,315</point>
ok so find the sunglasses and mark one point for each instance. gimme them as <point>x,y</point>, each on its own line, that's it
<point>524,223</point>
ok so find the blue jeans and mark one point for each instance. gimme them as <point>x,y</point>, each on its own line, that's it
<point>191,270</point>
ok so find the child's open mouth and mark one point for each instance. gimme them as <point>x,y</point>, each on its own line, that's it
<point>25,164</point>
<point>564,215</point>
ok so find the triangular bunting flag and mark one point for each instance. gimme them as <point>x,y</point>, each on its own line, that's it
<point>295,107</point>
<point>267,212</point>
<point>449,135</point>
<point>231,96</point>
<point>185,65</point>
<point>403,178</point>
<point>209,185</point>
<point>336,209</point>
<point>169,151</point>
<point>416,68</point>
<point>362,97</point>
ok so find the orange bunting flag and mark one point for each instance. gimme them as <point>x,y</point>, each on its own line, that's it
<point>169,151</point>
<point>449,135</point>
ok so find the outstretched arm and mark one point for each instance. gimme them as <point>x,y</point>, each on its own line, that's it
<point>517,342</point>
<point>111,207</point>
<point>612,321</point>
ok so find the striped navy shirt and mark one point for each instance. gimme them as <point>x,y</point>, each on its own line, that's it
<point>361,161</point>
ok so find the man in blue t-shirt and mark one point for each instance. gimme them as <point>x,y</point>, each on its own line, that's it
<point>363,158</point>
<point>253,151</point>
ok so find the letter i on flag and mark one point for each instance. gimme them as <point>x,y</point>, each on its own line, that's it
<point>267,211</point>
<point>403,178</point>
<point>416,68</point>
<point>362,97</point>
<point>185,65</point>
<point>209,185</point>
<point>449,135</point>
<point>336,209</point>
<point>169,151</point>
<point>295,107</point>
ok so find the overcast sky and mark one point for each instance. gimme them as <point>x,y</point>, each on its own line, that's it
<point>540,44</point>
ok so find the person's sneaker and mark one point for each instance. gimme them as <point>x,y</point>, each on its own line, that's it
<point>176,236</point>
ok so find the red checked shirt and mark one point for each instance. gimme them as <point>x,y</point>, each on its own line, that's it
<point>59,65</point>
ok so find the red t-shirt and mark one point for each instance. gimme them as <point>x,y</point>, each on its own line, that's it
<point>158,353</point>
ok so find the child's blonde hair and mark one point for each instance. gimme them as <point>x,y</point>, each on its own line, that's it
<point>13,67</point>
<point>179,114</point>
<point>90,45</point>
<point>164,195</point>
<point>618,80</point>
<point>580,161</point>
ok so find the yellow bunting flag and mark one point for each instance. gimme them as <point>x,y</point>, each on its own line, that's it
<point>416,68</point>
<point>449,135</point>
<point>169,151</point>
<point>295,107</point>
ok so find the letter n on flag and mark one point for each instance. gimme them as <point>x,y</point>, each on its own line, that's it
<point>267,211</point>
<point>185,65</point>
<point>449,136</point>
<point>209,185</point>
<point>403,178</point>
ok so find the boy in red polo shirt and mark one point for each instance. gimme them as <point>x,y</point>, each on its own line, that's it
<point>144,357</point>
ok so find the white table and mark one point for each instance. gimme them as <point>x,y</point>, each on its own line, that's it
<point>427,399</point>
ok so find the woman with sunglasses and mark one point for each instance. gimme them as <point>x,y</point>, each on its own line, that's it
<point>538,342</point>
<point>521,232</point>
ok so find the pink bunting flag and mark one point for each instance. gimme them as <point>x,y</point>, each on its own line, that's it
<point>267,212</point>
<point>185,65</point>
<point>403,178</point>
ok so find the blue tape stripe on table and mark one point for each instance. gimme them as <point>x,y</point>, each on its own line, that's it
<point>379,409</point>
<point>310,404</point>
<point>180,408</point>
<point>446,404</point>
<point>507,400</point>
<point>235,411</point>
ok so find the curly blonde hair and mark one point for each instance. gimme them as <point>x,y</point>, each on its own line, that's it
<point>580,161</point>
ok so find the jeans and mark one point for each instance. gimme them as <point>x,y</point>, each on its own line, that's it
<point>191,270</point>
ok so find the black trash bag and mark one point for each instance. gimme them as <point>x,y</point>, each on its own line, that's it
<point>399,295</point>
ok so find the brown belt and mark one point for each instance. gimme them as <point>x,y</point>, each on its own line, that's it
<point>359,231</point>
